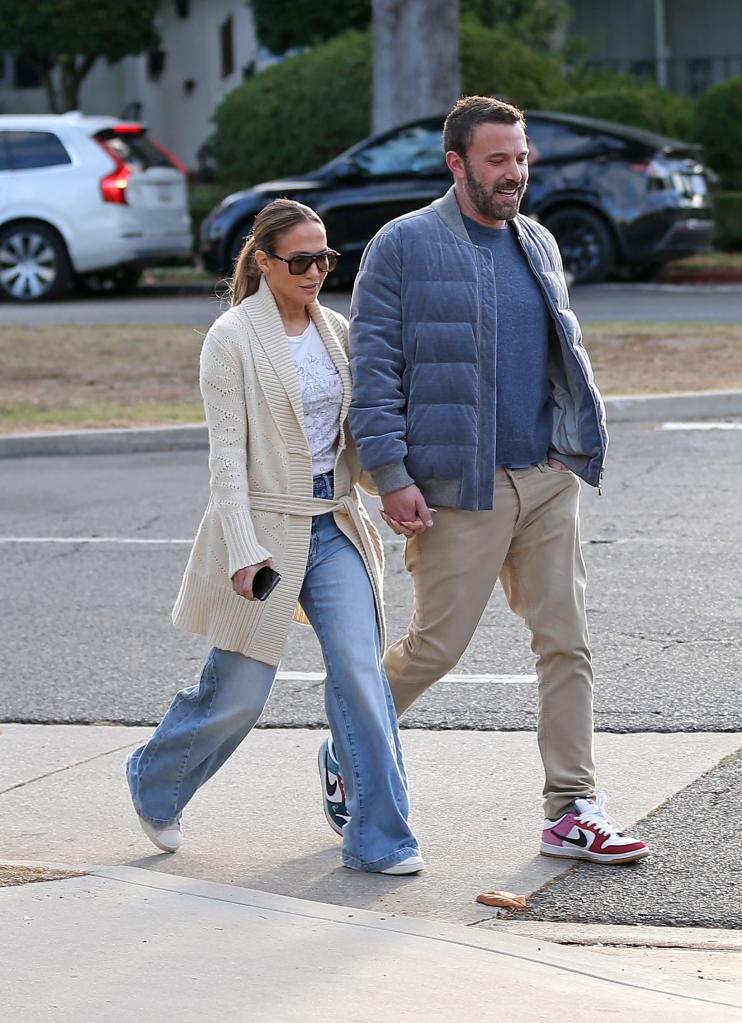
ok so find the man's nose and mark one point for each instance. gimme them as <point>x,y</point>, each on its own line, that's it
<point>517,170</point>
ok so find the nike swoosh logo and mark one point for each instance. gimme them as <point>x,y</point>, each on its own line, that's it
<point>580,842</point>
<point>330,787</point>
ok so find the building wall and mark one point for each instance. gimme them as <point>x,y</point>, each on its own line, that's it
<point>178,103</point>
<point>614,29</point>
<point>703,43</point>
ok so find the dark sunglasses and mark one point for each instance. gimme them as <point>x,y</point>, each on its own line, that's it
<point>326,261</point>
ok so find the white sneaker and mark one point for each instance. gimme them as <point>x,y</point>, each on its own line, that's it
<point>168,838</point>
<point>412,865</point>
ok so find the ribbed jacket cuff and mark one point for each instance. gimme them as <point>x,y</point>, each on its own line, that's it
<point>242,543</point>
<point>391,477</point>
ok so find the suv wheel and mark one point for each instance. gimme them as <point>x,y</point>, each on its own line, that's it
<point>34,264</point>
<point>584,241</point>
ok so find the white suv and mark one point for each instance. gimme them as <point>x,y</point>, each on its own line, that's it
<point>85,199</point>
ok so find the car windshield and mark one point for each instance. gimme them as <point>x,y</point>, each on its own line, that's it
<point>416,149</point>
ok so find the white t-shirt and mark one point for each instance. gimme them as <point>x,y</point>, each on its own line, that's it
<point>322,395</point>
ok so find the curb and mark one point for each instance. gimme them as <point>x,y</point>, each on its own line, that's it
<point>652,408</point>
<point>190,437</point>
<point>682,406</point>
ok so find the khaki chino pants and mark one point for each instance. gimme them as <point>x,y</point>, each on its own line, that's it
<point>531,542</point>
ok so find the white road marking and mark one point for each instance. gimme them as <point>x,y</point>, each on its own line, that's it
<point>89,539</point>
<point>286,676</point>
<point>701,426</point>
<point>319,676</point>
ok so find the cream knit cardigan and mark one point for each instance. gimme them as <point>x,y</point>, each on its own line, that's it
<point>261,502</point>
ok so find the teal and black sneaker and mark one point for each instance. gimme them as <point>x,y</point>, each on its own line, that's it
<point>333,790</point>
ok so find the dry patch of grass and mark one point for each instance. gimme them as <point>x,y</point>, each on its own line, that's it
<point>662,358</point>
<point>717,260</point>
<point>69,377</point>
<point>72,377</point>
<point>11,874</point>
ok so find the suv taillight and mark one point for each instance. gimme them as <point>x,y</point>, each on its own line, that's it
<point>113,186</point>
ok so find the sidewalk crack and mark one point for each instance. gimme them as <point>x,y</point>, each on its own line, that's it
<point>61,770</point>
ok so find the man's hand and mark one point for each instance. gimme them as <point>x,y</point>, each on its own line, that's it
<point>556,464</point>
<point>242,579</point>
<point>406,512</point>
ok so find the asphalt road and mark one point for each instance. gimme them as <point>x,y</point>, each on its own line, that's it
<point>86,634</point>
<point>693,878</point>
<point>194,305</point>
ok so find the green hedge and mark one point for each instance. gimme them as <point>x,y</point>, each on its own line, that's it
<point>728,214</point>
<point>493,63</point>
<point>300,113</point>
<point>718,126</point>
<point>640,106</point>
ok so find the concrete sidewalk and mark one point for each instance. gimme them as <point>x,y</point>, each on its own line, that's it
<point>126,943</point>
<point>279,941</point>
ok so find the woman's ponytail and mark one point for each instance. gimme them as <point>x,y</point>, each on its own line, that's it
<point>246,278</point>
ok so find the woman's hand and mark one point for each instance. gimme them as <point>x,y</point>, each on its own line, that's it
<point>243,578</point>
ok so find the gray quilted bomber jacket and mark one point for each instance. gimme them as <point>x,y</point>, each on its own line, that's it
<point>423,336</point>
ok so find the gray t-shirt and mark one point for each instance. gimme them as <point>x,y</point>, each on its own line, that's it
<point>524,405</point>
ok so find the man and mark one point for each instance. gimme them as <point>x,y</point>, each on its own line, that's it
<point>473,394</point>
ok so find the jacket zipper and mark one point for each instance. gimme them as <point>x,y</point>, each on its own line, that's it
<point>554,312</point>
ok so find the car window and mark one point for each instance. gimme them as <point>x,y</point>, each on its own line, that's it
<point>134,149</point>
<point>413,150</point>
<point>28,149</point>
<point>4,157</point>
<point>552,140</point>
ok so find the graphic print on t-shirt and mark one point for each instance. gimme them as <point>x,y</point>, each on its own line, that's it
<point>322,396</point>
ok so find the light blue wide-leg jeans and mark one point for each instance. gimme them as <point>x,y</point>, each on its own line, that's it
<point>203,726</point>
<point>206,722</point>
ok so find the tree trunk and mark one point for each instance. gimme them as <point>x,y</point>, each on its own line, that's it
<point>69,84</point>
<point>416,59</point>
<point>44,72</point>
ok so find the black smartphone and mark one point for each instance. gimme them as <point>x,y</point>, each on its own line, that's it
<point>264,582</point>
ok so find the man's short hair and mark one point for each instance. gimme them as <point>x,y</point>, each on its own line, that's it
<point>469,113</point>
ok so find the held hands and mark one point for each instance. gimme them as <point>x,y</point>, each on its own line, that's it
<point>406,512</point>
<point>242,579</point>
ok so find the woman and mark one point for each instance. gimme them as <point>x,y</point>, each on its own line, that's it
<point>276,389</point>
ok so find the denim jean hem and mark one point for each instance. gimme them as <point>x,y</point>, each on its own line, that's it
<point>157,822</point>
<point>374,866</point>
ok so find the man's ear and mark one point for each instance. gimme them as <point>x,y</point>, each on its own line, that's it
<point>455,164</point>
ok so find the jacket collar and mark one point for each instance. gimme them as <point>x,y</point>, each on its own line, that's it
<point>447,208</point>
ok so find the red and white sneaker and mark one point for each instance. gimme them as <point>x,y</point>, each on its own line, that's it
<point>586,832</point>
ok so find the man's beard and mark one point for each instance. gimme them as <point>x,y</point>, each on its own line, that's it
<point>485,201</point>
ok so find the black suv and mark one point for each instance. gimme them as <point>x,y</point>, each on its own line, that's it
<point>617,198</point>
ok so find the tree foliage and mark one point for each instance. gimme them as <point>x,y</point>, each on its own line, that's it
<point>530,21</point>
<point>62,39</point>
<point>283,25</point>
